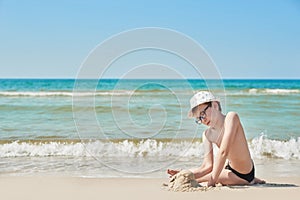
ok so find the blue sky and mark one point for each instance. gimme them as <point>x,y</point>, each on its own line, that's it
<point>246,39</point>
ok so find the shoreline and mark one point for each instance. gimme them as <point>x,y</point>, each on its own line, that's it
<point>60,187</point>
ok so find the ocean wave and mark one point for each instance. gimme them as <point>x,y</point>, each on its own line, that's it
<point>101,148</point>
<point>273,91</point>
<point>65,93</point>
<point>260,148</point>
<point>87,93</point>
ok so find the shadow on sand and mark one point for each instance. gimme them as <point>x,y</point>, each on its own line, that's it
<point>265,185</point>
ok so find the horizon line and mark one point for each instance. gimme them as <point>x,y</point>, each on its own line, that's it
<point>115,78</point>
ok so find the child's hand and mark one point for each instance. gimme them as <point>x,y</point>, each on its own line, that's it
<point>211,183</point>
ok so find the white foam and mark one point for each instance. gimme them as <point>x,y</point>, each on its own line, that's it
<point>273,91</point>
<point>144,148</point>
<point>262,147</point>
<point>24,149</point>
<point>67,94</point>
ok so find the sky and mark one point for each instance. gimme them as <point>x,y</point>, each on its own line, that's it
<point>245,39</point>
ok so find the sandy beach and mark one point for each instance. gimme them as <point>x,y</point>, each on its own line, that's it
<point>49,187</point>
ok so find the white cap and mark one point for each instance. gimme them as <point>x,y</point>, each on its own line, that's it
<point>200,98</point>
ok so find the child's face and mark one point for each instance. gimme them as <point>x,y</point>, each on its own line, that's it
<point>203,114</point>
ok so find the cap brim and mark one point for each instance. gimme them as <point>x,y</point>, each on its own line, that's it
<point>190,113</point>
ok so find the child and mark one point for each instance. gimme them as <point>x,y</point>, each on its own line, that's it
<point>226,131</point>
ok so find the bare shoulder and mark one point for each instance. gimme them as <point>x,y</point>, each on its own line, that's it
<point>204,134</point>
<point>207,134</point>
<point>232,118</point>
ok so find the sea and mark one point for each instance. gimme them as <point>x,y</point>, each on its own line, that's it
<point>139,127</point>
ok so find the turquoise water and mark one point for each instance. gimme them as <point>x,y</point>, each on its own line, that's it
<point>32,109</point>
<point>135,126</point>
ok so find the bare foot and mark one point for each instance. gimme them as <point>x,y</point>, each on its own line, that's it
<point>257,181</point>
<point>172,172</point>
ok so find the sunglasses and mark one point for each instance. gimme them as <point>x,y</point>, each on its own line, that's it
<point>202,115</point>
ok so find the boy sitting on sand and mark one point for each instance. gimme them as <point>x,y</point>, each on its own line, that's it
<point>226,131</point>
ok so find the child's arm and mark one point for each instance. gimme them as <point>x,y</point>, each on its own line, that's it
<point>207,164</point>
